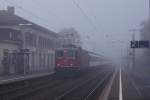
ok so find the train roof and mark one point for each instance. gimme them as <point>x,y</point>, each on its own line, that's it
<point>66,48</point>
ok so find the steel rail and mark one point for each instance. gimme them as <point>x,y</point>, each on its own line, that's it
<point>67,93</point>
<point>88,97</point>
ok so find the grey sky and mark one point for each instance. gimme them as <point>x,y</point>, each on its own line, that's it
<point>112,19</point>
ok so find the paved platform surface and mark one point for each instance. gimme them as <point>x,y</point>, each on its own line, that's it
<point>134,86</point>
<point>19,77</point>
<point>142,81</point>
<point>114,93</point>
<point>130,89</point>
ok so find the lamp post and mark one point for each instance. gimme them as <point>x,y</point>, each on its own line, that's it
<point>133,49</point>
<point>121,44</point>
<point>23,33</point>
<point>122,54</point>
<point>149,30</point>
<point>24,43</point>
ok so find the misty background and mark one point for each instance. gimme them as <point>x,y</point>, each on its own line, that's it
<point>104,29</point>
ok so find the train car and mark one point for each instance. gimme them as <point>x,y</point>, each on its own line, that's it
<point>97,60</point>
<point>71,58</point>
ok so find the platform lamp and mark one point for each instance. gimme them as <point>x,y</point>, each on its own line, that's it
<point>21,26</point>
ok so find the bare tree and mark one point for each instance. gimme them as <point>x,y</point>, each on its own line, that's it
<point>70,36</point>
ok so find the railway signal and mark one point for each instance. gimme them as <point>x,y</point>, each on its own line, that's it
<point>139,44</point>
<point>134,44</point>
<point>143,44</point>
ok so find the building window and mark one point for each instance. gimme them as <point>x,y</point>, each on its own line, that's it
<point>45,43</point>
<point>31,39</point>
<point>9,34</point>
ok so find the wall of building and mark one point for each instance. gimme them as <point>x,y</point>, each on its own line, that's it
<point>5,46</point>
<point>25,35</point>
<point>42,53</point>
<point>42,61</point>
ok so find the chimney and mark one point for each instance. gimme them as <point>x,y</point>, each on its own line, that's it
<point>11,10</point>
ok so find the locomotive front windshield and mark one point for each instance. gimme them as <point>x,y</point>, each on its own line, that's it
<point>68,53</point>
<point>60,53</point>
<point>72,53</point>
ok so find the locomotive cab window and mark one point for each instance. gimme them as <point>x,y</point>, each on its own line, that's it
<point>72,54</point>
<point>59,53</point>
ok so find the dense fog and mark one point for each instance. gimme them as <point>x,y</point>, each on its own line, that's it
<point>103,24</point>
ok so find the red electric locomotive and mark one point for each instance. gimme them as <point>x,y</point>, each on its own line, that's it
<point>71,59</point>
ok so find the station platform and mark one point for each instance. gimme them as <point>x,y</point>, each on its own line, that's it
<point>20,77</point>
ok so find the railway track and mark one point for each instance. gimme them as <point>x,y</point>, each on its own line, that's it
<point>48,88</point>
<point>50,93</point>
<point>87,90</point>
<point>15,89</point>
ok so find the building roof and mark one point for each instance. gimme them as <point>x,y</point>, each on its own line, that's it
<point>7,18</point>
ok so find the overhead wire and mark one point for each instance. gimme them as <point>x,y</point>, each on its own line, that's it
<point>95,17</point>
<point>41,19</point>
<point>85,15</point>
<point>47,9</point>
<point>88,20</point>
<point>38,3</point>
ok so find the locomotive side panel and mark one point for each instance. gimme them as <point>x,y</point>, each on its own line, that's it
<point>85,59</point>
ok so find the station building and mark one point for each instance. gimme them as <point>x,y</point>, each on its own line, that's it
<point>25,47</point>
